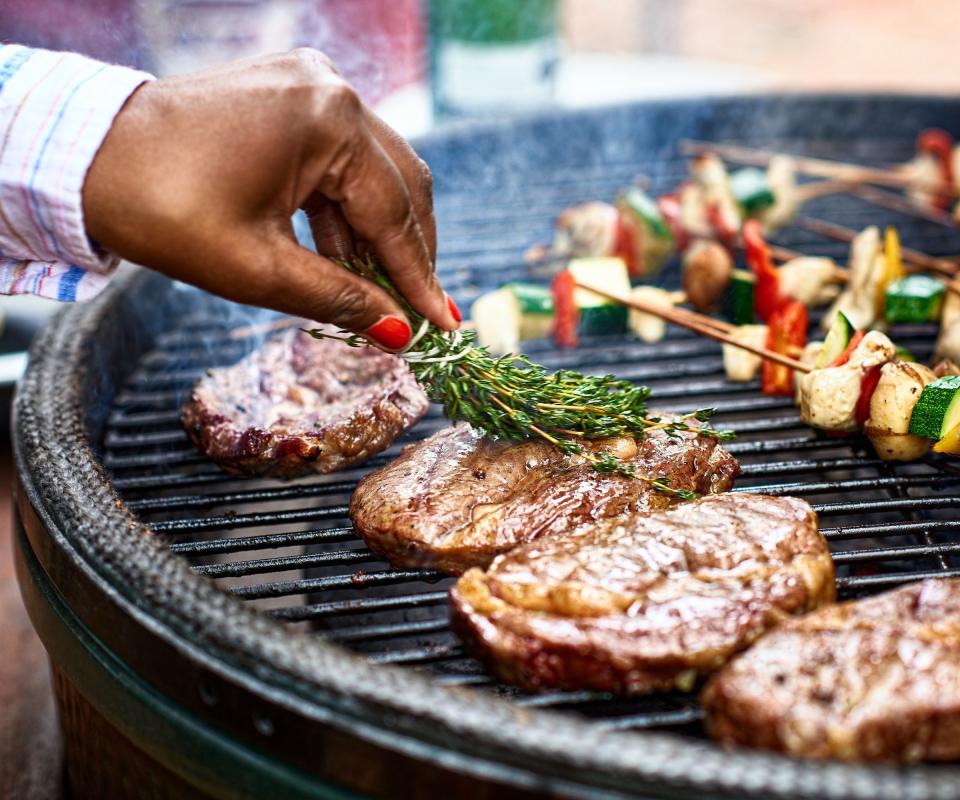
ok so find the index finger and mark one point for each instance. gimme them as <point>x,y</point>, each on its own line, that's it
<point>376,203</point>
<point>416,174</point>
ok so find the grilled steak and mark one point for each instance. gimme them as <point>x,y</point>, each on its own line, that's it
<point>299,405</point>
<point>645,602</point>
<point>875,679</point>
<point>458,499</point>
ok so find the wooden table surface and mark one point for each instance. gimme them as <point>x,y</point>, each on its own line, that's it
<point>31,748</point>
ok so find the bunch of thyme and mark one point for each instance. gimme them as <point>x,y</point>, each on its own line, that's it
<point>512,398</point>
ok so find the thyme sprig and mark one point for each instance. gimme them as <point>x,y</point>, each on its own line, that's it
<point>512,398</point>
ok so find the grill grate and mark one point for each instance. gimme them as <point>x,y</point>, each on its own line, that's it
<point>289,548</point>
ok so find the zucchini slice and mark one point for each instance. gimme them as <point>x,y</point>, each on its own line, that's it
<point>535,305</point>
<point>916,298</point>
<point>738,301</point>
<point>598,315</point>
<point>752,190</point>
<point>838,337</point>
<point>937,412</point>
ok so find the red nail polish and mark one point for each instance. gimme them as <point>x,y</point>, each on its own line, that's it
<point>453,309</point>
<point>391,332</point>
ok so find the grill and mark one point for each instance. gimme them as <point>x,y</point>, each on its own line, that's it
<point>168,591</point>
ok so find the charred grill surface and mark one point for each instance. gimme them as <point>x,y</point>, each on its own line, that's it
<point>875,679</point>
<point>290,551</point>
<point>645,602</point>
<point>299,405</point>
<point>457,499</point>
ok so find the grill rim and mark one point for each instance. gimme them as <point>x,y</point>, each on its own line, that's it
<point>65,484</point>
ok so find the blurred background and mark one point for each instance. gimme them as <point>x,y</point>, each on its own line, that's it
<point>422,62</point>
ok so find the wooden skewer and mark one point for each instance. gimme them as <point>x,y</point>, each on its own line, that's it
<point>926,262</point>
<point>821,167</point>
<point>698,323</point>
<point>896,202</point>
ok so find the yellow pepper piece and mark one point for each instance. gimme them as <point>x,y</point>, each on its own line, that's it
<point>894,270</point>
<point>949,443</point>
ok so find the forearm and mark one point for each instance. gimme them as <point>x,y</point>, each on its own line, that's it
<point>55,110</point>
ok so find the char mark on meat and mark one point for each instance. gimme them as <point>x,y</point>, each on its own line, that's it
<point>458,499</point>
<point>299,405</point>
<point>868,680</point>
<point>644,602</point>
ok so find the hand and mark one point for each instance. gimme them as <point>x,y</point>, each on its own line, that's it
<point>200,174</point>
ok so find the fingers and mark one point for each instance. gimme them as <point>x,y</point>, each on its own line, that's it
<point>312,286</point>
<point>416,175</point>
<point>331,233</point>
<point>354,170</point>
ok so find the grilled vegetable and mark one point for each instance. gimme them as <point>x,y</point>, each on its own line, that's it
<point>597,314</point>
<point>895,270</point>
<point>739,364</point>
<point>738,304</point>
<point>782,178</point>
<point>707,270</point>
<point>830,397</point>
<point>752,190</point>
<point>937,411</point>
<point>838,337</point>
<point>586,230</point>
<point>863,294</point>
<point>809,280</point>
<point>644,239</point>
<point>916,298</point>
<point>786,332</point>
<point>648,327</point>
<point>719,205</point>
<point>767,295</point>
<point>512,314</point>
<point>949,443</point>
<point>566,318</point>
<point>899,388</point>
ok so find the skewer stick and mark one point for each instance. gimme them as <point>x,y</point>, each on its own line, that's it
<point>896,202</point>
<point>698,323</point>
<point>841,234</point>
<point>821,167</point>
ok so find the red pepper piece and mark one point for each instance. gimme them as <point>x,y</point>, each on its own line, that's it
<point>786,331</point>
<point>867,387</point>
<point>844,357</point>
<point>939,144</point>
<point>566,315</point>
<point>721,227</point>
<point>625,245</point>
<point>766,292</point>
<point>669,205</point>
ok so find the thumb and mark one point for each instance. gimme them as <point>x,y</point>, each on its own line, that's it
<point>314,287</point>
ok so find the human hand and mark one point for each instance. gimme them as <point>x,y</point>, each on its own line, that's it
<point>200,174</point>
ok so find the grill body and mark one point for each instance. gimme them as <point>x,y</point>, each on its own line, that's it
<point>238,638</point>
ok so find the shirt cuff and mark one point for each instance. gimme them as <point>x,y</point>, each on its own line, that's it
<point>55,111</point>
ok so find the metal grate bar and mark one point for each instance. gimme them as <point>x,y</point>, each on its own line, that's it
<point>887,524</point>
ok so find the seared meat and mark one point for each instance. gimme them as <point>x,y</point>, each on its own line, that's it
<point>645,602</point>
<point>874,679</point>
<point>458,499</point>
<point>299,405</point>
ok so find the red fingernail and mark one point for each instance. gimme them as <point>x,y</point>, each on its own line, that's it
<point>391,332</point>
<point>453,309</point>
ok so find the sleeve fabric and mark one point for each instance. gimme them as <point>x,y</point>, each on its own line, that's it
<point>55,110</point>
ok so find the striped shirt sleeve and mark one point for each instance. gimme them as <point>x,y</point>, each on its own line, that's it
<point>55,110</point>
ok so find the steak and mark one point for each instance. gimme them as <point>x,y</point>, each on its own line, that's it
<point>645,602</point>
<point>458,499</point>
<point>870,680</point>
<point>298,405</point>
